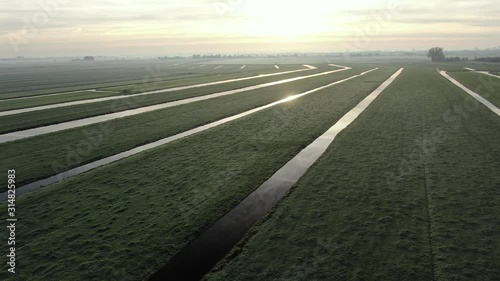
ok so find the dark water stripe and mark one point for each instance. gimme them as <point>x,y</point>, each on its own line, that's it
<point>87,167</point>
<point>201,254</point>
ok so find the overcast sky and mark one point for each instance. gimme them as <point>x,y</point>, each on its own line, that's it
<point>151,27</point>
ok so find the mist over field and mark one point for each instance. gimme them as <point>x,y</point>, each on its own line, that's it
<point>223,140</point>
<point>143,28</point>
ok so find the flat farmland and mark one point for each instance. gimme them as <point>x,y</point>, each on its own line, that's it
<point>487,86</point>
<point>26,102</point>
<point>146,85</point>
<point>232,160</point>
<point>31,119</point>
<point>28,78</point>
<point>403,183</point>
<point>409,192</point>
<point>58,151</point>
<point>211,74</point>
<point>453,66</point>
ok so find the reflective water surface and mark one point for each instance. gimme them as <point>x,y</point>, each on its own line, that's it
<point>87,167</point>
<point>106,117</point>
<point>472,93</point>
<point>199,256</point>
<point>37,108</point>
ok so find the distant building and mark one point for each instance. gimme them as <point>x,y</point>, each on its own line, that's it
<point>88,58</point>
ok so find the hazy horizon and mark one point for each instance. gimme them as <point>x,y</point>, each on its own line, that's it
<point>141,28</point>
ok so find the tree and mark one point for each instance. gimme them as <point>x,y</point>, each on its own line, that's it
<point>436,54</point>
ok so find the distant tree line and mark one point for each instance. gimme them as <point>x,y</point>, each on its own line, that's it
<point>86,58</point>
<point>437,54</point>
<point>456,59</point>
<point>220,56</point>
<point>365,54</point>
<point>246,56</point>
<point>492,59</point>
<point>167,58</point>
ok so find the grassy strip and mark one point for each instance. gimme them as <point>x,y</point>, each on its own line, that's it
<point>138,87</point>
<point>89,83</point>
<point>125,90</point>
<point>39,101</point>
<point>120,90</point>
<point>142,210</point>
<point>34,119</point>
<point>486,86</point>
<point>493,67</point>
<point>464,183</point>
<point>400,179</point>
<point>45,155</point>
<point>455,66</point>
<point>98,78</point>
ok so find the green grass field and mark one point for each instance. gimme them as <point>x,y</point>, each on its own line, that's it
<point>60,151</point>
<point>31,78</point>
<point>27,120</point>
<point>488,87</point>
<point>143,214</point>
<point>409,192</point>
<point>252,70</point>
<point>46,100</point>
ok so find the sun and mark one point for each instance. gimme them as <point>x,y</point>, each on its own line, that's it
<point>283,19</point>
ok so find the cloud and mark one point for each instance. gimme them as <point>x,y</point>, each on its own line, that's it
<point>190,21</point>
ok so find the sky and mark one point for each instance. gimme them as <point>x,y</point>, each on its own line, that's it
<point>37,28</point>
